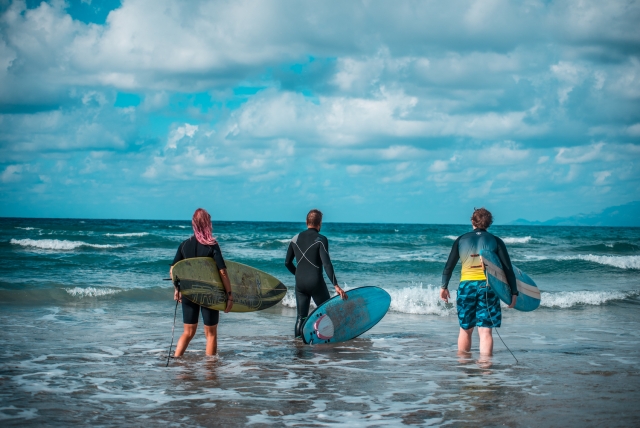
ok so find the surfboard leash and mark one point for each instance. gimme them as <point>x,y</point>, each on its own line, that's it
<point>173,329</point>
<point>486,296</point>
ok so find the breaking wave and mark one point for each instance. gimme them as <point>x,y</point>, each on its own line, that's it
<point>127,235</point>
<point>507,240</point>
<point>91,292</point>
<point>621,262</point>
<point>56,244</point>
<point>568,299</point>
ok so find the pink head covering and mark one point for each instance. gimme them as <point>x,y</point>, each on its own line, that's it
<point>202,228</point>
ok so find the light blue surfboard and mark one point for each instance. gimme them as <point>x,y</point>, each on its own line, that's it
<point>529,294</point>
<point>338,320</point>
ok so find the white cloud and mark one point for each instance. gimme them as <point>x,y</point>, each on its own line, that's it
<point>12,173</point>
<point>179,133</point>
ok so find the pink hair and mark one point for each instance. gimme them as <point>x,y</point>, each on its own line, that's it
<point>202,228</point>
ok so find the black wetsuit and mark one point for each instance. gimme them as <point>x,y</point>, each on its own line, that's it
<point>467,248</point>
<point>311,251</point>
<point>187,250</point>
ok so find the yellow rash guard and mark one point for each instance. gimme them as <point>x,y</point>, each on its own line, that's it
<point>467,248</point>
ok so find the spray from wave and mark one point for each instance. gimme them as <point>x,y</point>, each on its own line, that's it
<point>91,292</point>
<point>127,235</point>
<point>507,240</point>
<point>56,244</point>
<point>622,262</point>
<point>568,299</point>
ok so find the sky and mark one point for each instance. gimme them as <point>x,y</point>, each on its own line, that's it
<point>372,111</point>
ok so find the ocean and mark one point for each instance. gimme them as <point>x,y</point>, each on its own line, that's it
<point>86,322</point>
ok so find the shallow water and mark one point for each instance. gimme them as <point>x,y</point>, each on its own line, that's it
<point>85,333</point>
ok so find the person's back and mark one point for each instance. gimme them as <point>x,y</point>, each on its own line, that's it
<point>467,248</point>
<point>477,304</point>
<point>310,248</point>
<point>311,252</point>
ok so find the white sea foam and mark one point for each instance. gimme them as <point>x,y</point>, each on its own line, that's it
<point>567,299</point>
<point>420,300</point>
<point>26,228</point>
<point>127,235</point>
<point>507,240</point>
<point>56,244</point>
<point>622,262</point>
<point>289,300</point>
<point>517,239</point>
<point>91,292</point>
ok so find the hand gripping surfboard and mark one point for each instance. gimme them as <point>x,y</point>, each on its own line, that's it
<point>253,290</point>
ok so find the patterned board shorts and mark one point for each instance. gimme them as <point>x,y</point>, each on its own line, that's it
<point>472,305</point>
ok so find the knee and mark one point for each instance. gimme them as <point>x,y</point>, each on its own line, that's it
<point>484,332</point>
<point>211,331</point>
<point>189,332</point>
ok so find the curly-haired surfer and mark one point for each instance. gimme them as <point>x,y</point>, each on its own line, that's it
<point>477,304</point>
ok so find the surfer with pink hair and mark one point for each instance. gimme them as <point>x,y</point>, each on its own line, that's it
<point>201,244</point>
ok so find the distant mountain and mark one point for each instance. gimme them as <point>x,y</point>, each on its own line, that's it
<point>622,215</point>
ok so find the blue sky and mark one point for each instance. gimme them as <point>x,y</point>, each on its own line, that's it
<point>372,111</point>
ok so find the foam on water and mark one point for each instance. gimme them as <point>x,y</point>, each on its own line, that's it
<point>91,292</point>
<point>568,299</point>
<point>56,244</point>
<point>517,240</point>
<point>507,240</point>
<point>421,301</point>
<point>622,262</point>
<point>127,235</point>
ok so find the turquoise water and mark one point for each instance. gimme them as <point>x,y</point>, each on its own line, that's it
<point>86,325</point>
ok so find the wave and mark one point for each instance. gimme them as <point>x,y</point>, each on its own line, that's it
<point>127,235</point>
<point>422,301</point>
<point>507,240</point>
<point>621,262</point>
<point>616,247</point>
<point>56,244</point>
<point>568,299</point>
<point>27,228</point>
<point>517,240</point>
<point>91,292</point>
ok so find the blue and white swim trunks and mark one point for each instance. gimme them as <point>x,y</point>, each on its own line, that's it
<point>473,310</point>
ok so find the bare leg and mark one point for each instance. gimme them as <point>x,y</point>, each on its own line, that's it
<point>464,340</point>
<point>486,341</point>
<point>187,335</point>
<point>211,333</point>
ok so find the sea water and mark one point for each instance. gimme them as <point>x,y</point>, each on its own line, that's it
<point>86,322</point>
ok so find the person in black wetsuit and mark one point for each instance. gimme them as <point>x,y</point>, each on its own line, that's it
<point>201,244</point>
<point>477,304</point>
<point>311,251</point>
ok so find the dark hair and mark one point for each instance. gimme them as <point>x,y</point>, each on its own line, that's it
<point>481,218</point>
<point>314,218</point>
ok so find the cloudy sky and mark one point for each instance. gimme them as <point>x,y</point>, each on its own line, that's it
<point>372,111</point>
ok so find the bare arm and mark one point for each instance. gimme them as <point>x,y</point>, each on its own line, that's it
<point>227,288</point>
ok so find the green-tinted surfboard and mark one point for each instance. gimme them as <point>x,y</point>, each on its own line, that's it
<point>253,290</point>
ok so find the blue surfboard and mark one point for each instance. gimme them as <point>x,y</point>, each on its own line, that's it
<point>529,294</point>
<point>338,320</point>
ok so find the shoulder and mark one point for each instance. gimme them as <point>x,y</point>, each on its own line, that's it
<point>295,238</point>
<point>467,235</point>
<point>322,238</point>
